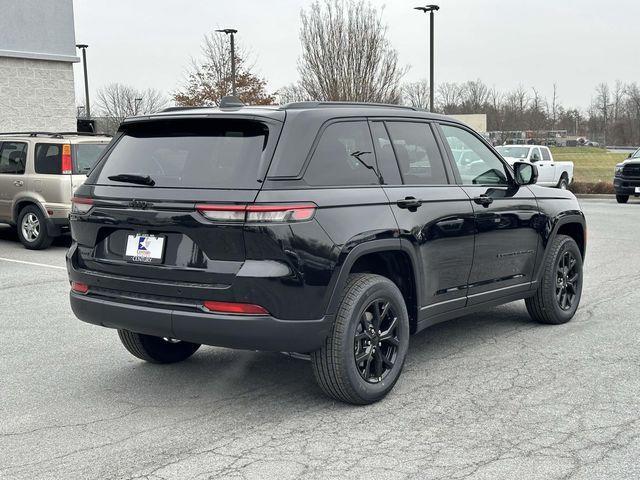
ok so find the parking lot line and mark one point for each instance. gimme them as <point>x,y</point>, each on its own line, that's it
<point>32,263</point>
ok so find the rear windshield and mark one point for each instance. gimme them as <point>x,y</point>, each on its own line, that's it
<point>86,155</point>
<point>188,153</point>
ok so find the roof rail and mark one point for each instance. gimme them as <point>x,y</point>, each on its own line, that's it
<point>177,109</point>
<point>56,134</point>
<point>312,104</point>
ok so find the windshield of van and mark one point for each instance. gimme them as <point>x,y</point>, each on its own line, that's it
<point>513,152</point>
<point>187,153</point>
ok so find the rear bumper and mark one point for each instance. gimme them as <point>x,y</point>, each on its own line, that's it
<point>625,186</point>
<point>57,226</point>
<point>232,331</point>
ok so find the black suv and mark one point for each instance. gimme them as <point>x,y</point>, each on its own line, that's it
<point>328,229</point>
<point>626,180</point>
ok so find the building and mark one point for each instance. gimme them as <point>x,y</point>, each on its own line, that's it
<point>477,121</point>
<point>37,52</point>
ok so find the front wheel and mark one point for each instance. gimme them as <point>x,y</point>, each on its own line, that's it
<point>362,357</point>
<point>156,349</point>
<point>622,198</point>
<point>560,288</point>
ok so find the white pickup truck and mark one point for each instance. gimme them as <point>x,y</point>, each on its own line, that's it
<point>550,172</point>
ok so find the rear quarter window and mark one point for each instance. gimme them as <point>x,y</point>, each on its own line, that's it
<point>189,153</point>
<point>343,156</point>
<point>48,159</point>
<point>85,156</point>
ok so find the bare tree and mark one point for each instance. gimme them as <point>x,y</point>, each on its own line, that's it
<point>449,96</point>
<point>117,101</point>
<point>292,93</point>
<point>554,107</point>
<point>209,79</point>
<point>416,94</point>
<point>346,54</point>
<point>602,105</point>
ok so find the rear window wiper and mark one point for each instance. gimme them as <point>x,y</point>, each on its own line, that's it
<point>130,178</point>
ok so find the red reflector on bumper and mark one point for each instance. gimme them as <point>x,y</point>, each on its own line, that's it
<point>236,308</point>
<point>79,287</point>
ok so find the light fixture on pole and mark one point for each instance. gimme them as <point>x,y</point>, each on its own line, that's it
<point>431,9</point>
<point>87,107</point>
<point>231,32</point>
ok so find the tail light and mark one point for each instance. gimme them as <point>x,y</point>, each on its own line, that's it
<point>81,204</point>
<point>79,287</point>
<point>277,213</point>
<point>67,166</point>
<point>234,308</point>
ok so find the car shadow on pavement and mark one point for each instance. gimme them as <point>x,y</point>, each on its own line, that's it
<point>218,374</point>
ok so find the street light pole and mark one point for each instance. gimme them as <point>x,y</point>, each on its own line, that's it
<point>431,9</point>
<point>231,32</point>
<point>87,107</point>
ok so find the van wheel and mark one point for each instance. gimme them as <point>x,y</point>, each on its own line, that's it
<point>563,184</point>
<point>156,349</point>
<point>560,289</point>
<point>32,229</point>
<point>622,198</point>
<point>363,355</point>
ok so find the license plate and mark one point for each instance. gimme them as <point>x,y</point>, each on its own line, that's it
<point>144,249</point>
<point>637,189</point>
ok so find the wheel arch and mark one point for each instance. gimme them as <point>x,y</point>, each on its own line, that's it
<point>21,203</point>
<point>393,259</point>
<point>571,224</point>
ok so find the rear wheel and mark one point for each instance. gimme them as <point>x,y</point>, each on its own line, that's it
<point>560,289</point>
<point>32,229</point>
<point>563,184</point>
<point>362,357</point>
<point>156,349</point>
<point>622,198</point>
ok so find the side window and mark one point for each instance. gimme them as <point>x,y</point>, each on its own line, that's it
<point>343,156</point>
<point>384,152</point>
<point>535,155</point>
<point>48,158</point>
<point>417,152</point>
<point>13,158</point>
<point>546,156</point>
<point>476,163</point>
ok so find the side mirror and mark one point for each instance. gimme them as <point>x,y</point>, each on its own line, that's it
<point>630,155</point>
<point>525,173</point>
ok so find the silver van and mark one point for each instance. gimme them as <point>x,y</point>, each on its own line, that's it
<point>39,171</point>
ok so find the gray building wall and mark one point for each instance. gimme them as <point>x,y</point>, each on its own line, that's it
<point>37,52</point>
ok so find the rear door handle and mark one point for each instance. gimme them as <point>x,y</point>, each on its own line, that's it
<point>18,183</point>
<point>410,203</point>
<point>483,200</point>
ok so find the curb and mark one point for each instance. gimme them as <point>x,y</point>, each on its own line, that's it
<point>609,196</point>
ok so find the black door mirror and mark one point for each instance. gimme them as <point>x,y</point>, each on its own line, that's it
<point>525,173</point>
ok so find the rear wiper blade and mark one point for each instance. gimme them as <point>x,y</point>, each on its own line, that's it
<point>130,178</point>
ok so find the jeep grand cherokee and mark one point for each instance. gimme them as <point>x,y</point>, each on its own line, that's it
<point>328,229</point>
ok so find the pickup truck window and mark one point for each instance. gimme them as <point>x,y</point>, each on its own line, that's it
<point>546,156</point>
<point>476,163</point>
<point>535,155</point>
<point>514,152</point>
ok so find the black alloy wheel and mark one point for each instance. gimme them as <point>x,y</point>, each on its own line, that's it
<point>376,341</point>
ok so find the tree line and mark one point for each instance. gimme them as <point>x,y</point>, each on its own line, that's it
<point>347,56</point>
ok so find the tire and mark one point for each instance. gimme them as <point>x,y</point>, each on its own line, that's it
<point>32,229</point>
<point>335,367</point>
<point>622,198</point>
<point>563,184</point>
<point>547,305</point>
<point>156,349</point>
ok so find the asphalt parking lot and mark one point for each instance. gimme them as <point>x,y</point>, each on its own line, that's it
<point>488,396</point>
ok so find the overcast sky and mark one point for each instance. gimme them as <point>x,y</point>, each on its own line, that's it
<point>575,43</point>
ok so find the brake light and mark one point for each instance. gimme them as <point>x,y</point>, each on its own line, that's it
<point>67,167</point>
<point>234,308</point>
<point>256,213</point>
<point>81,204</point>
<point>79,287</point>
